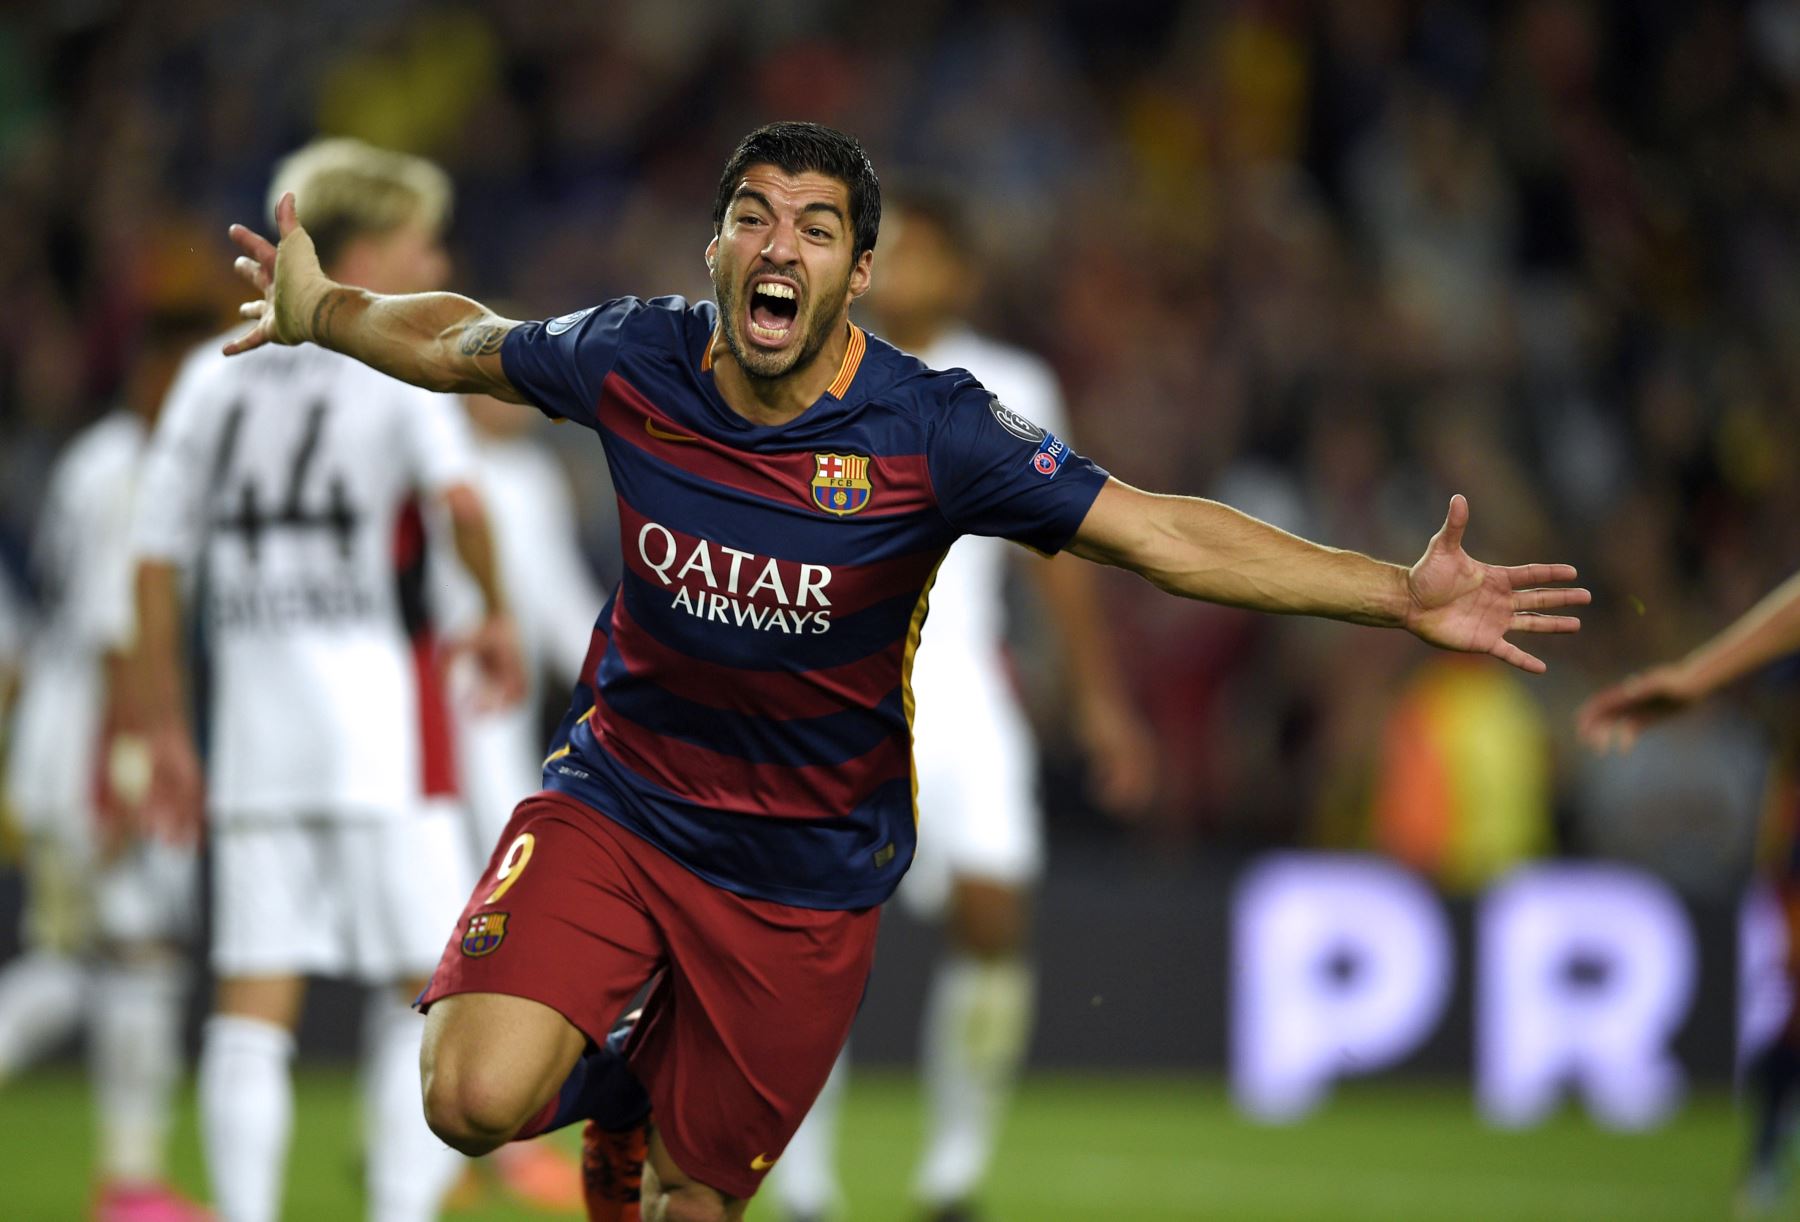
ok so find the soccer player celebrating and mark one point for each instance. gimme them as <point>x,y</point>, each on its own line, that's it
<point>290,476</point>
<point>1613,719</point>
<point>980,828</point>
<point>730,796</point>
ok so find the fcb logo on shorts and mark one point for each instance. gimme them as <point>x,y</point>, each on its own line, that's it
<point>485,931</point>
<point>841,483</point>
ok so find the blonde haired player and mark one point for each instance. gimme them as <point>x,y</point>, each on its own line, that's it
<point>287,477</point>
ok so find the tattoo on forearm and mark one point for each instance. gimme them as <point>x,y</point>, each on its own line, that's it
<point>484,340</point>
<point>323,313</point>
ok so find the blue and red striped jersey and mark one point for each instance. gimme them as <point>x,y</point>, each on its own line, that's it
<point>745,705</point>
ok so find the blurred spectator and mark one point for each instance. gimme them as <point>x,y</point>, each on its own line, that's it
<point>1332,260</point>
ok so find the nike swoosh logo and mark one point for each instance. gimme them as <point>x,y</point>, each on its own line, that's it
<point>662,434</point>
<point>760,1163</point>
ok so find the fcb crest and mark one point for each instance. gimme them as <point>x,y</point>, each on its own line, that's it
<point>485,931</point>
<point>841,484</point>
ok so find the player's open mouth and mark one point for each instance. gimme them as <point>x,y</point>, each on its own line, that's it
<point>774,305</point>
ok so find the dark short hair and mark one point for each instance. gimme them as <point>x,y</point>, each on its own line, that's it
<point>797,148</point>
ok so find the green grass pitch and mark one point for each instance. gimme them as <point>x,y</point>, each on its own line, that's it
<point>1076,1148</point>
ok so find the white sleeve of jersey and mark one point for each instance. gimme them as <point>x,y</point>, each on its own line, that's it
<point>169,512</point>
<point>440,445</point>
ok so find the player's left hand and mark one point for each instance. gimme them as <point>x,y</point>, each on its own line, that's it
<point>493,646</point>
<point>1457,602</point>
<point>287,278</point>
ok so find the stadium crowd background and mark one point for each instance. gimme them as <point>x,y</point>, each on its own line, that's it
<point>1327,262</point>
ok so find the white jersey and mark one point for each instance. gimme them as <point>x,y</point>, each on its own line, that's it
<point>82,557</point>
<point>554,600</point>
<point>963,635</point>
<point>284,474</point>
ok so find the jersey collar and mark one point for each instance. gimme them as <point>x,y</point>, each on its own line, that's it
<point>846,374</point>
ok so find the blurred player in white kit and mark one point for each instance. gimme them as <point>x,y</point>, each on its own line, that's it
<point>107,910</point>
<point>285,479</point>
<point>980,825</point>
<point>548,584</point>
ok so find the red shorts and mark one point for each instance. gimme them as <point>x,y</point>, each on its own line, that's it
<point>741,1029</point>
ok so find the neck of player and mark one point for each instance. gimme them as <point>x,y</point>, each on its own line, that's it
<point>774,401</point>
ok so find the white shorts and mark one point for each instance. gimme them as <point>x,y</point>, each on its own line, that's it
<point>369,900</point>
<point>78,904</point>
<point>978,810</point>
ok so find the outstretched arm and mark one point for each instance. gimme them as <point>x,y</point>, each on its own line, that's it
<point>439,341</point>
<point>1202,549</point>
<point>1769,630</point>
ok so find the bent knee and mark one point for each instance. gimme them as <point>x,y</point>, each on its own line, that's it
<point>473,1113</point>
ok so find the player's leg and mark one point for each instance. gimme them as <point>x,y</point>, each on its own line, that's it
<point>548,951</point>
<point>671,1195</point>
<point>805,1181</point>
<point>983,824</point>
<point>273,910</point>
<point>43,993</point>
<point>247,1093</point>
<point>740,1034</point>
<point>977,1026</point>
<point>146,902</point>
<point>405,878</point>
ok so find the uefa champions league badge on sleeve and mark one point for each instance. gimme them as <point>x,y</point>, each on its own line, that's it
<point>556,326</point>
<point>1014,423</point>
<point>1049,457</point>
<point>486,929</point>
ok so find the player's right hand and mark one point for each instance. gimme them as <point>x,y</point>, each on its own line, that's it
<point>1612,719</point>
<point>287,276</point>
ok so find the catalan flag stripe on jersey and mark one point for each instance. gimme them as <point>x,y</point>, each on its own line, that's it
<point>743,706</point>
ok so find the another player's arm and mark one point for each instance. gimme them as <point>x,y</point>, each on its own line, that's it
<point>1769,630</point>
<point>494,644</point>
<point>1116,739</point>
<point>439,341</point>
<point>154,704</point>
<point>1202,549</point>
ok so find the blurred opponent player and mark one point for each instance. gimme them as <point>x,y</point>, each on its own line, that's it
<point>1614,718</point>
<point>108,911</point>
<point>980,827</point>
<point>549,586</point>
<point>730,798</point>
<point>288,480</point>
<point>500,751</point>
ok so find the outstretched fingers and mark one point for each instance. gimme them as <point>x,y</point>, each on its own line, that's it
<point>1450,535</point>
<point>253,244</point>
<point>1547,600</point>
<point>1530,621</point>
<point>1512,655</point>
<point>255,338</point>
<point>1539,574</point>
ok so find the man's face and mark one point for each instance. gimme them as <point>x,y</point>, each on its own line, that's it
<point>782,268</point>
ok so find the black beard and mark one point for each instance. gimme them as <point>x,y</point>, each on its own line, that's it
<point>761,366</point>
